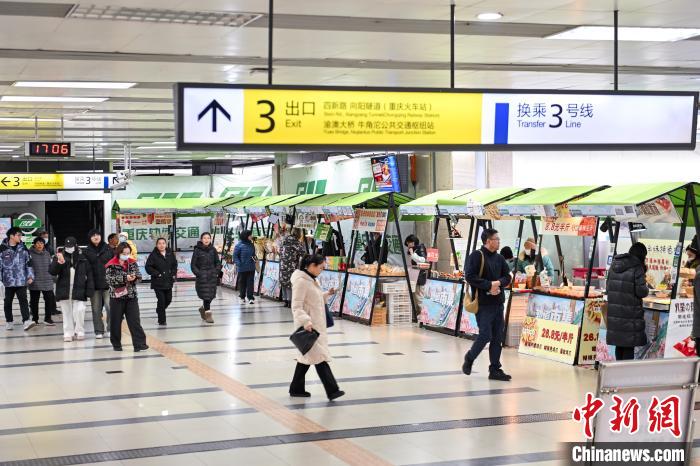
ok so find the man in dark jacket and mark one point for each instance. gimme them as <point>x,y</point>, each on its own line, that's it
<point>245,259</point>
<point>626,286</point>
<point>161,265</point>
<point>42,284</point>
<point>490,285</point>
<point>98,253</point>
<point>73,287</point>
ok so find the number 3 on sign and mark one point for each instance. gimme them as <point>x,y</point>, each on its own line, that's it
<point>267,116</point>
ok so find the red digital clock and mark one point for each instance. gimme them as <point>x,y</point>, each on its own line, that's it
<point>48,149</point>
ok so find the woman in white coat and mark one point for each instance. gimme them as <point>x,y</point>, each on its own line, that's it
<point>309,309</point>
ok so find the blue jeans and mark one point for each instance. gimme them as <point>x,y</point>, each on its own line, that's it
<point>491,330</point>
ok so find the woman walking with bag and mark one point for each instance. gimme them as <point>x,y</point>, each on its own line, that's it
<point>309,310</point>
<point>206,267</point>
<point>122,275</point>
<point>161,265</point>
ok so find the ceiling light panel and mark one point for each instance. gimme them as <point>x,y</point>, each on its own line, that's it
<point>641,34</point>
<point>26,98</point>
<point>75,84</point>
<point>157,15</point>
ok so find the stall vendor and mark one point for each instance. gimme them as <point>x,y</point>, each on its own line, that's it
<point>528,256</point>
<point>507,254</point>
<point>692,253</point>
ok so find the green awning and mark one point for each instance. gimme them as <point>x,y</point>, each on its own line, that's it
<point>424,209</point>
<point>194,205</point>
<point>243,203</point>
<point>219,204</point>
<point>322,201</point>
<point>543,202</point>
<point>356,199</point>
<point>267,201</point>
<point>292,201</point>
<point>473,204</point>
<point>181,205</point>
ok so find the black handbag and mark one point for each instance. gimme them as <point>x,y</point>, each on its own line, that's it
<point>304,340</point>
<point>329,318</point>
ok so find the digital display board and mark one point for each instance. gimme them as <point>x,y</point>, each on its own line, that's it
<point>386,174</point>
<point>48,149</point>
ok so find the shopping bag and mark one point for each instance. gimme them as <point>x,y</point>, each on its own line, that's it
<point>471,304</point>
<point>304,340</point>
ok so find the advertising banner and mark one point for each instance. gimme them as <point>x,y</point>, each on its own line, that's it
<point>433,254</point>
<point>145,229</point>
<point>591,320</point>
<point>571,226</point>
<point>229,275</point>
<point>679,340</point>
<point>386,173</point>
<point>306,220</point>
<point>440,304</point>
<point>370,220</point>
<point>551,328</point>
<point>271,280</point>
<point>184,270</point>
<point>329,280</point>
<point>660,270</point>
<point>359,296</point>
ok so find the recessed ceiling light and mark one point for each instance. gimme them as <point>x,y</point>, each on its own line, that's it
<point>6,150</point>
<point>160,156</point>
<point>75,84</point>
<point>641,34</point>
<point>172,143</point>
<point>489,16</point>
<point>9,147</point>
<point>24,98</point>
<point>28,119</point>
<point>163,148</point>
<point>15,156</point>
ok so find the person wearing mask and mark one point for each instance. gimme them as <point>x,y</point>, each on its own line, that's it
<point>245,259</point>
<point>507,254</point>
<point>626,286</point>
<point>16,271</point>
<point>74,285</point>
<point>692,252</point>
<point>98,253</point>
<point>309,310</point>
<point>43,234</point>
<point>291,252</point>
<point>123,274</point>
<point>490,284</point>
<point>113,242</point>
<point>42,284</point>
<point>124,238</point>
<point>528,256</point>
<point>206,267</point>
<point>418,254</point>
<point>161,265</point>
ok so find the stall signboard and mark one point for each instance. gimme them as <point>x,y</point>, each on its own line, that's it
<point>660,257</point>
<point>257,213</point>
<point>338,213</point>
<point>522,210</point>
<point>571,226</point>
<point>440,304</point>
<point>328,280</point>
<point>270,286</point>
<point>471,209</point>
<point>417,209</point>
<point>359,296</point>
<point>660,210</point>
<point>229,276</point>
<point>386,173</point>
<point>590,328</point>
<point>323,232</point>
<point>433,254</point>
<point>279,210</point>
<point>56,181</point>
<point>679,339</point>
<point>239,117</point>
<point>145,229</point>
<point>453,210</point>
<point>551,328</point>
<point>370,220</point>
<point>306,220</point>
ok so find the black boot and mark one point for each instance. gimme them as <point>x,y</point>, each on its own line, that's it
<point>328,380</point>
<point>296,388</point>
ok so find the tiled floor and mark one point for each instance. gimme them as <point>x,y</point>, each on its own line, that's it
<point>416,407</point>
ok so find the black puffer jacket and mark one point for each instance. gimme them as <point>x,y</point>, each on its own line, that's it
<point>206,266</point>
<point>83,283</point>
<point>162,269</point>
<point>98,256</point>
<point>626,287</point>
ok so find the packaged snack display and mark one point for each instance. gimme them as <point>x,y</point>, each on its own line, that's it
<point>386,270</point>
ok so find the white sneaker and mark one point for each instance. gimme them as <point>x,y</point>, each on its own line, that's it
<point>252,301</point>
<point>68,339</point>
<point>81,336</point>
<point>28,325</point>
<point>98,336</point>
<point>9,326</point>
<point>107,334</point>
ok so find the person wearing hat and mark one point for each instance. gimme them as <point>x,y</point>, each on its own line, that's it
<point>98,254</point>
<point>74,285</point>
<point>124,238</point>
<point>529,256</point>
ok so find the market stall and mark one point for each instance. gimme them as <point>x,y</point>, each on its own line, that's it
<point>555,317</point>
<point>364,285</point>
<point>442,307</point>
<point>181,221</point>
<point>657,215</point>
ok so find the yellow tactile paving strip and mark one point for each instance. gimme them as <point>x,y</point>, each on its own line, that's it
<point>344,450</point>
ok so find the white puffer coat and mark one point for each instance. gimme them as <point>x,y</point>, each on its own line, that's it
<point>308,304</point>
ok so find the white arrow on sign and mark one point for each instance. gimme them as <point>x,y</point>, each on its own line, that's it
<point>212,115</point>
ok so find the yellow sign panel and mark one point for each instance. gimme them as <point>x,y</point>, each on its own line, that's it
<point>280,116</point>
<point>30,181</point>
<point>549,339</point>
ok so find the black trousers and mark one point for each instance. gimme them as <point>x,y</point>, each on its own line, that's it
<point>21,293</point>
<point>246,284</point>
<point>324,373</point>
<point>624,353</point>
<point>491,332</point>
<point>164,297</point>
<point>129,308</point>
<point>49,304</point>
<point>206,304</point>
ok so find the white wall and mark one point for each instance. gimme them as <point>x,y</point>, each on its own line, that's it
<point>542,169</point>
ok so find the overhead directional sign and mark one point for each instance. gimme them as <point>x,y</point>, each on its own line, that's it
<point>56,181</point>
<point>232,117</point>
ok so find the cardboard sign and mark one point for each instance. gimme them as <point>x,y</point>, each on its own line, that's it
<point>370,220</point>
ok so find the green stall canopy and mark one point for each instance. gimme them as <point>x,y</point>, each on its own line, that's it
<point>373,200</point>
<point>623,201</point>
<point>144,206</point>
<point>424,209</point>
<point>296,200</point>
<point>219,205</point>
<point>543,202</point>
<point>476,202</point>
<point>315,204</point>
